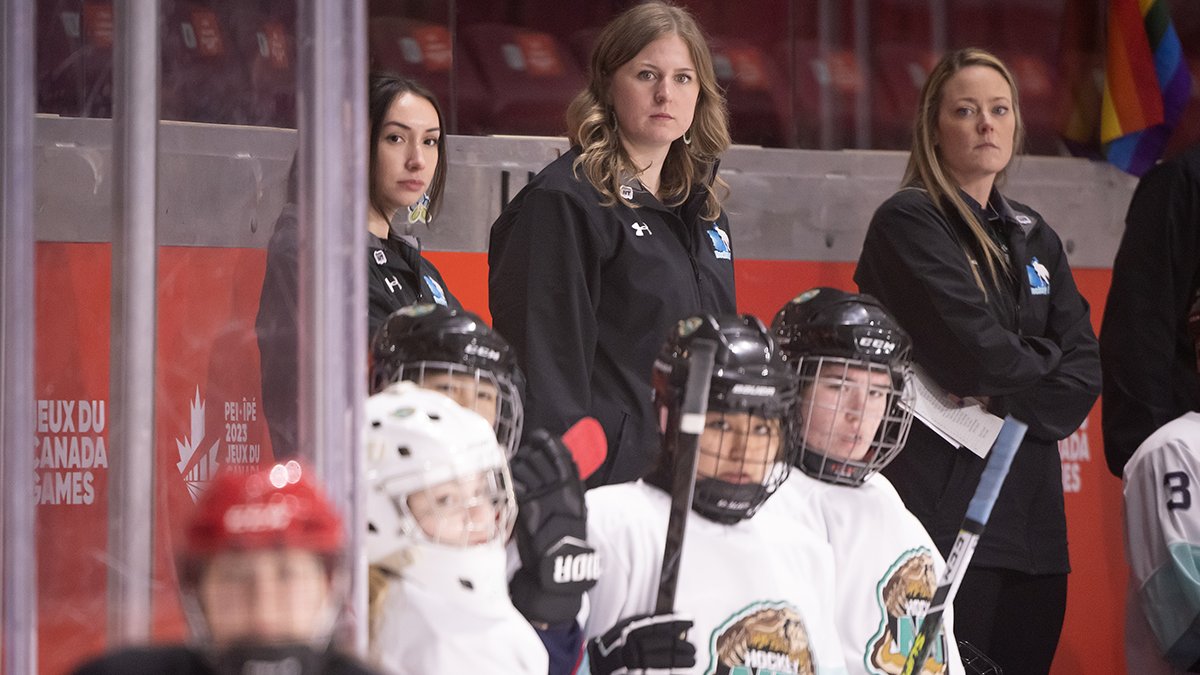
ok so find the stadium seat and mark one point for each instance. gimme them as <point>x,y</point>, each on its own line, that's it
<point>1040,101</point>
<point>265,42</point>
<point>203,76</point>
<point>530,78</point>
<point>835,80</point>
<point>900,71</point>
<point>74,58</point>
<point>423,51</point>
<point>755,93</point>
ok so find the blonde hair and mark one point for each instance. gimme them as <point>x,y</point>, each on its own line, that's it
<point>591,119</point>
<point>925,163</point>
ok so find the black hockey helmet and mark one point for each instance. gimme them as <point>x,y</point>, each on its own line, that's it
<point>749,452</point>
<point>836,342</point>
<point>455,352</point>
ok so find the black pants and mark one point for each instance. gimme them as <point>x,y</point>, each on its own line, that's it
<point>1013,618</point>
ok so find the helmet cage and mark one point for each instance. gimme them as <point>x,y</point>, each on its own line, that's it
<point>830,395</point>
<point>746,452</point>
<point>495,397</point>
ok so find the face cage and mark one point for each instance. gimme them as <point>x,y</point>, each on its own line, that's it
<point>743,456</point>
<point>495,398</point>
<point>833,395</point>
<point>445,512</point>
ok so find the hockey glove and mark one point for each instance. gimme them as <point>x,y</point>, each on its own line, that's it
<point>648,642</point>
<point>557,565</point>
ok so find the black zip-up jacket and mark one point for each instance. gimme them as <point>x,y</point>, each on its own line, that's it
<point>1149,359</point>
<point>587,294</point>
<point>1029,347</point>
<point>392,283</point>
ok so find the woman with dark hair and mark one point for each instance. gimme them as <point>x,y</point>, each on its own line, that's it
<point>620,237</point>
<point>406,178</point>
<point>982,285</point>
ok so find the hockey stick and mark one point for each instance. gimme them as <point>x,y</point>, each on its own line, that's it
<point>691,425</point>
<point>1004,448</point>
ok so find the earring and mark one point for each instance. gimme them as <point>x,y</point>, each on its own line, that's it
<point>686,139</point>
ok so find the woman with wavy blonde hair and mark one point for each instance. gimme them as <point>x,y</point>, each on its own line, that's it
<point>620,237</point>
<point>982,285</point>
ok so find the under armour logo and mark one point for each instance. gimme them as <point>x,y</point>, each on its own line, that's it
<point>393,284</point>
<point>641,229</point>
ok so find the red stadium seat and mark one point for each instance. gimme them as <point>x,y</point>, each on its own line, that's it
<point>265,42</point>
<point>900,70</point>
<point>1040,101</point>
<point>74,58</point>
<point>836,81</point>
<point>755,92</point>
<point>203,75</point>
<point>530,78</point>
<point>423,51</point>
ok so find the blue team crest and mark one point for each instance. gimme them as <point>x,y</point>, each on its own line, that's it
<point>1039,278</point>
<point>439,295</point>
<point>720,243</point>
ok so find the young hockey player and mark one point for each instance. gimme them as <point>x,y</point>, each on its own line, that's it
<point>853,414</point>
<point>1162,536</point>
<point>439,508</point>
<point>452,351</point>
<point>754,589</point>
<point>261,573</point>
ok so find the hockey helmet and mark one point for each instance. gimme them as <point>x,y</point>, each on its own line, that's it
<point>452,351</point>
<point>747,444</point>
<point>435,474</point>
<point>854,366</point>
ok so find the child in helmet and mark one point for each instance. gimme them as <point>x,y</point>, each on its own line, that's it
<point>454,352</point>
<point>754,590</point>
<point>439,508</point>
<point>261,573</point>
<point>853,413</point>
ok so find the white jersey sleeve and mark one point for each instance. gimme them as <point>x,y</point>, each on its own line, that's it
<point>1162,545</point>
<point>758,591</point>
<point>887,571</point>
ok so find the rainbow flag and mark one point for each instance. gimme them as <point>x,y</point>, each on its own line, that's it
<point>1146,84</point>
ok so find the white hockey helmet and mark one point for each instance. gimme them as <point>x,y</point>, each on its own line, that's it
<point>435,473</point>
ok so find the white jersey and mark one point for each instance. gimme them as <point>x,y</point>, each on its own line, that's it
<point>450,613</point>
<point>887,570</point>
<point>757,591</point>
<point>1162,545</point>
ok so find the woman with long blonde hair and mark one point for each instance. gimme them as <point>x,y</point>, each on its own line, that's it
<point>982,285</point>
<point>620,237</point>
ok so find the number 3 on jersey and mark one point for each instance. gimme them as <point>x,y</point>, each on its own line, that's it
<point>1178,486</point>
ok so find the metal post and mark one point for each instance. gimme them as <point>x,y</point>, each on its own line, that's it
<point>862,54</point>
<point>18,584</point>
<point>938,26</point>
<point>825,20</point>
<point>333,242</point>
<point>131,373</point>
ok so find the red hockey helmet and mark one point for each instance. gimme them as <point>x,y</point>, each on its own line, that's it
<point>278,507</point>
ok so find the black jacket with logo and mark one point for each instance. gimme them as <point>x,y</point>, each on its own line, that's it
<point>1029,347</point>
<point>392,283</point>
<point>587,294</point>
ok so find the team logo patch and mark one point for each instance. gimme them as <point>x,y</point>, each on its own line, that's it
<point>439,296</point>
<point>626,192</point>
<point>1039,278</point>
<point>688,326</point>
<point>419,309</point>
<point>720,243</point>
<point>904,594</point>
<point>419,212</point>
<point>641,229</point>
<point>806,296</point>
<point>380,257</point>
<point>763,639</point>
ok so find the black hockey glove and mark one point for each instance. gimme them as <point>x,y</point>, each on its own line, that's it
<point>647,642</point>
<point>557,565</point>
